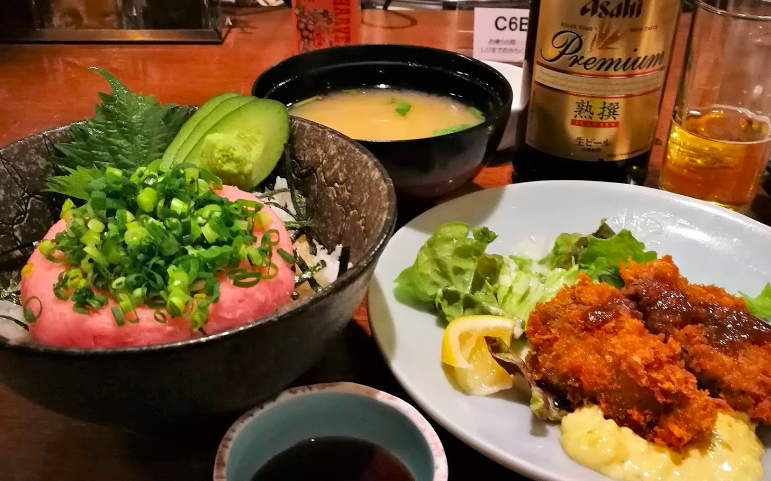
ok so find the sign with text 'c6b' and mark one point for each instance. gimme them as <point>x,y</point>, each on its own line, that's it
<point>500,34</point>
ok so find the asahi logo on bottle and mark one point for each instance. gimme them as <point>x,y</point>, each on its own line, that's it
<point>613,9</point>
<point>598,48</point>
<point>569,45</point>
<point>599,68</point>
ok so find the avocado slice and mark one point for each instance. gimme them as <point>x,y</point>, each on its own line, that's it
<point>192,122</point>
<point>244,147</point>
<point>206,123</point>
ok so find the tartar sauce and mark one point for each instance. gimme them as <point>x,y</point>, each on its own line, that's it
<point>731,453</point>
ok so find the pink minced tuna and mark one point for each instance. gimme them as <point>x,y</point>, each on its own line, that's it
<point>59,325</point>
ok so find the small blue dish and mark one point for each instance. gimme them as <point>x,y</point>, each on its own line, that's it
<point>325,410</point>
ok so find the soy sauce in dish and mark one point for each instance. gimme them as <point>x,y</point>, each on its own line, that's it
<point>334,459</point>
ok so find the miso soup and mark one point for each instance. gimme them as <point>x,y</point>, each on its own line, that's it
<point>386,114</point>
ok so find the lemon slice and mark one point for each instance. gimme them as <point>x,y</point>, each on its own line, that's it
<point>465,351</point>
<point>460,336</point>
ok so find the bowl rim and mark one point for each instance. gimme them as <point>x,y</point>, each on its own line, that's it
<point>507,97</point>
<point>523,100</point>
<point>406,409</point>
<point>302,307</point>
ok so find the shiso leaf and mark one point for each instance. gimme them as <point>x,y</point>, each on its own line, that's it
<point>74,183</point>
<point>128,130</point>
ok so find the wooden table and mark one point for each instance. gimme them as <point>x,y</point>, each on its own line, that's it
<point>43,86</point>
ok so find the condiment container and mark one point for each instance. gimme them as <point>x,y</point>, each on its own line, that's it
<point>325,23</point>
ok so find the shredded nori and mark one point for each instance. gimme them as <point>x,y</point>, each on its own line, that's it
<point>307,273</point>
<point>302,225</point>
<point>19,323</point>
<point>345,256</point>
<point>9,287</point>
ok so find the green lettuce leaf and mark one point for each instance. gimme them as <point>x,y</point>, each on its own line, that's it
<point>601,257</point>
<point>760,306</point>
<point>564,254</point>
<point>521,286</point>
<point>479,297</point>
<point>598,254</point>
<point>448,273</point>
<point>453,273</point>
<point>483,234</point>
<point>568,247</point>
<point>543,404</point>
<point>128,130</point>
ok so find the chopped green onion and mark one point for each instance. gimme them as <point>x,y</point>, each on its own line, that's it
<point>176,305</point>
<point>305,102</point>
<point>174,226</point>
<point>111,173</point>
<point>272,271</point>
<point>66,208</point>
<point>191,174</point>
<point>249,204</point>
<point>118,315</point>
<point>178,206</point>
<point>209,233</point>
<point>31,316</point>
<point>236,209</point>
<point>452,129</point>
<point>45,247</point>
<point>477,113</point>
<point>95,225</point>
<point>94,253</point>
<point>90,237</point>
<point>147,198</point>
<point>270,238</point>
<point>210,210</point>
<point>160,316</point>
<point>160,238</point>
<point>253,256</point>
<point>246,283</point>
<point>134,235</point>
<point>289,258</point>
<point>139,175</point>
<point>402,108</point>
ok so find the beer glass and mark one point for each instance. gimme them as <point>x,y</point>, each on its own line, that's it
<point>720,137</point>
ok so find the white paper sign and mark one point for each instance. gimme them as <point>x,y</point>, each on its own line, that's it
<point>500,34</point>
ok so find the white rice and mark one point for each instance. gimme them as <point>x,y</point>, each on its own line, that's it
<point>9,329</point>
<point>328,274</point>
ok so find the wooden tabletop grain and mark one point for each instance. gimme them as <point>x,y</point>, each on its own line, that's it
<point>43,86</point>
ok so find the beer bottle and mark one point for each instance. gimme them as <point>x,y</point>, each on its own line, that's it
<point>594,76</point>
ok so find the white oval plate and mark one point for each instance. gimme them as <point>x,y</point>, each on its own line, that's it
<point>711,245</point>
